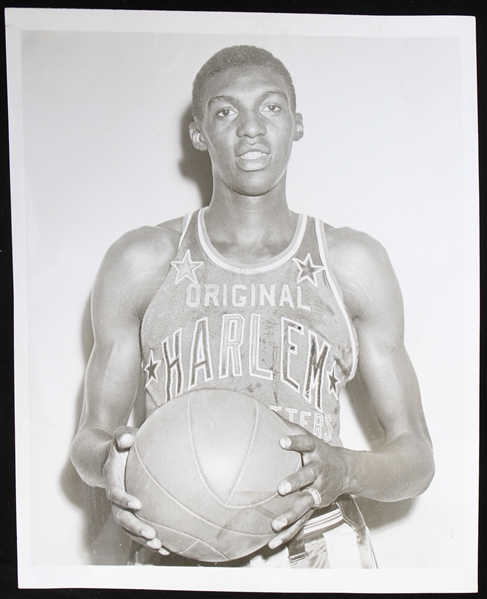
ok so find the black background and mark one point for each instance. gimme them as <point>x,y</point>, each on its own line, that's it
<point>8,549</point>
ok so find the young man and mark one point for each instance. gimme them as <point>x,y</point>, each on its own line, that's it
<point>249,296</point>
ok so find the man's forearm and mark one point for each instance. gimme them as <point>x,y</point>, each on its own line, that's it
<point>89,452</point>
<point>399,470</point>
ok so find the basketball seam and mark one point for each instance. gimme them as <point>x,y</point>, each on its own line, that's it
<point>247,455</point>
<point>204,543</point>
<point>169,494</point>
<point>247,534</point>
<point>192,538</point>
<point>205,483</point>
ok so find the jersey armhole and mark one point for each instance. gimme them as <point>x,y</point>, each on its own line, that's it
<point>185,224</point>
<point>337,292</point>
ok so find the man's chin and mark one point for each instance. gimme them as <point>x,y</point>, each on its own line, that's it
<point>255,191</point>
<point>253,184</point>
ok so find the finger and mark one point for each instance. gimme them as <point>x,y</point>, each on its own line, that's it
<point>124,437</point>
<point>154,544</point>
<point>301,443</point>
<point>133,525</point>
<point>303,505</point>
<point>114,468</point>
<point>117,495</point>
<point>151,543</point>
<point>289,533</point>
<point>302,478</point>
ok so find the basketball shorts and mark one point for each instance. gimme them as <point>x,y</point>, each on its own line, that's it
<point>334,537</point>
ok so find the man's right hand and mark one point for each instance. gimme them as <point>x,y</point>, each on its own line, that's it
<point>123,504</point>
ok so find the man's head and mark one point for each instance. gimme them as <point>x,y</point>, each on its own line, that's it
<point>244,109</point>
<point>237,57</point>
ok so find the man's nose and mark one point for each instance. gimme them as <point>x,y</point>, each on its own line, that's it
<point>251,125</point>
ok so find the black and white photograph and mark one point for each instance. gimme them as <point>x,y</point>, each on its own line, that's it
<point>245,254</point>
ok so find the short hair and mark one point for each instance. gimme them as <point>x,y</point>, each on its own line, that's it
<point>237,56</point>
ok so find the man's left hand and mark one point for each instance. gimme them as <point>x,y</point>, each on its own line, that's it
<point>324,469</point>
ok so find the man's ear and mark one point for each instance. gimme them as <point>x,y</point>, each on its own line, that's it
<point>299,127</point>
<point>197,137</point>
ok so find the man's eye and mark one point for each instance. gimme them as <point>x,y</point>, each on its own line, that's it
<point>224,112</point>
<point>272,108</point>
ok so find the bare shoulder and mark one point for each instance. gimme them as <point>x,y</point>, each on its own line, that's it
<point>345,244</point>
<point>144,247</point>
<point>136,264</point>
<point>363,269</point>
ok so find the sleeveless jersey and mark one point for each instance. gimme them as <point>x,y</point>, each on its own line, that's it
<point>277,331</point>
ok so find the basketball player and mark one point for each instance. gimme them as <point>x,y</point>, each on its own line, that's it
<point>250,296</point>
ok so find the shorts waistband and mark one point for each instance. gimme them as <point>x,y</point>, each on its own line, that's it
<point>324,519</point>
<point>343,510</point>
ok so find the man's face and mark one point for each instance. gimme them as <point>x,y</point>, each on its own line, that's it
<point>248,127</point>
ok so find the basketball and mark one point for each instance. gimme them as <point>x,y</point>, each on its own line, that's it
<point>206,466</point>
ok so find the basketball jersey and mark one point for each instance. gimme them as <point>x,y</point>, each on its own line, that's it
<point>277,331</point>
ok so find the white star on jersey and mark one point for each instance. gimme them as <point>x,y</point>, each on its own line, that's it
<point>333,381</point>
<point>308,270</point>
<point>151,368</point>
<point>186,268</point>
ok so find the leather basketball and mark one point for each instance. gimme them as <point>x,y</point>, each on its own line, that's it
<point>206,467</point>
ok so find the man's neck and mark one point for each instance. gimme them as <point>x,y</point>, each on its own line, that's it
<point>250,229</point>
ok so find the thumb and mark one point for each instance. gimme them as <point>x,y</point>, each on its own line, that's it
<point>124,437</point>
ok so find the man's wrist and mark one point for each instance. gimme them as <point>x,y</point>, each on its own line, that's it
<point>89,453</point>
<point>349,463</point>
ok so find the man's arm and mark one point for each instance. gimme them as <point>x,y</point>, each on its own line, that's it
<point>130,275</point>
<point>403,467</point>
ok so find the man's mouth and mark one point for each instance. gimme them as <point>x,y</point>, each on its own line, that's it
<point>253,155</point>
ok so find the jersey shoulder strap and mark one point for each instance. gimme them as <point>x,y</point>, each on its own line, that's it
<point>186,221</point>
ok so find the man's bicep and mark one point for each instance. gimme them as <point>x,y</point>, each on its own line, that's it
<point>130,275</point>
<point>384,363</point>
<point>113,372</point>
<point>111,383</point>
<point>392,385</point>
